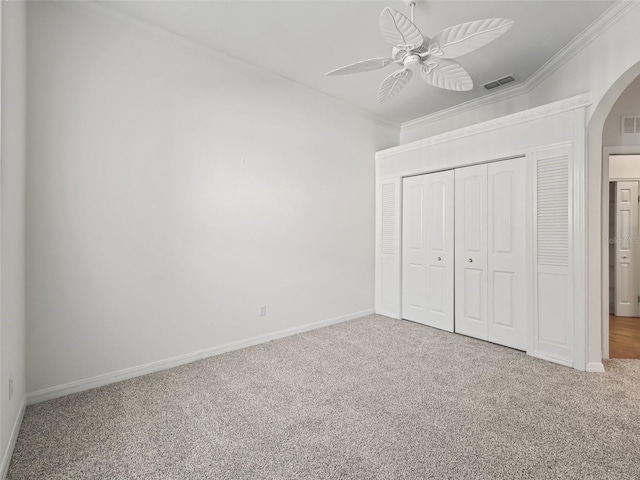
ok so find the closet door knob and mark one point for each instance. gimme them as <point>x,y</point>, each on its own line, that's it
<point>624,256</point>
<point>470,260</point>
<point>439,258</point>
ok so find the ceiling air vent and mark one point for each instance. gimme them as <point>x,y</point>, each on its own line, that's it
<point>500,82</point>
<point>630,125</point>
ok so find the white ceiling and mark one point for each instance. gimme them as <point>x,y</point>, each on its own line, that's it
<point>303,39</point>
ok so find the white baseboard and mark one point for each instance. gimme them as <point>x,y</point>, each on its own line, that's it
<point>127,373</point>
<point>6,459</point>
<point>595,367</point>
<point>389,314</point>
<point>551,358</point>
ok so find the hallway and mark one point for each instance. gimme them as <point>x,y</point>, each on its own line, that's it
<point>624,337</point>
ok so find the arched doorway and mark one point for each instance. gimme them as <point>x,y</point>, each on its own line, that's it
<point>597,230</point>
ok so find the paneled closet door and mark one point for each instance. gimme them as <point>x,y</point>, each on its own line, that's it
<point>471,251</point>
<point>428,249</point>
<point>626,222</point>
<point>507,305</point>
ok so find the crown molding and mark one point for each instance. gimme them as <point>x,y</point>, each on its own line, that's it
<point>585,37</point>
<point>543,111</point>
<point>102,10</point>
<point>580,41</point>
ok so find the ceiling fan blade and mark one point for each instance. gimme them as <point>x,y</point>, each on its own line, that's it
<point>391,85</point>
<point>363,66</point>
<point>447,74</point>
<point>466,37</point>
<point>398,29</point>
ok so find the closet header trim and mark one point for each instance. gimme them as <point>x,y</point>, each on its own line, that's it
<point>566,105</point>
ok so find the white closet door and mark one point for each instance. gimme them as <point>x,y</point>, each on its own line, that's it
<point>626,249</point>
<point>427,249</point>
<point>506,262</point>
<point>471,251</point>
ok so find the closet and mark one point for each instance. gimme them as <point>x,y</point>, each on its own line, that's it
<point>464,251</point>
<point>482,231</point>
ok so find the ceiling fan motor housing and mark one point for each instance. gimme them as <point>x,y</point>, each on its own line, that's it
<point>411,60</point>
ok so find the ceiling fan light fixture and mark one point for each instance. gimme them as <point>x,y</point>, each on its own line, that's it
<point>412,49</point>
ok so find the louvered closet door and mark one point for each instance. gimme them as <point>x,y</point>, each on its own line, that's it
<point>506,262</point>
<point>471,251</point>
<point>427,249</point>
<point>554,327</point>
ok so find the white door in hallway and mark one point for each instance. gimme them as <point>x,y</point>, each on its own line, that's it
<point>626,249</point>
<point>428,249</point>
<point>471,251</point>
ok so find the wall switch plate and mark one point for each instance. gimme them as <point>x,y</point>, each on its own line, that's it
<point>263,310</point>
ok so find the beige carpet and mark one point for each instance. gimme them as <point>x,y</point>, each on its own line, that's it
<point>370,398</point>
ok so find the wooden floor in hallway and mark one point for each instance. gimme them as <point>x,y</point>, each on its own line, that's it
<point>624,337</point>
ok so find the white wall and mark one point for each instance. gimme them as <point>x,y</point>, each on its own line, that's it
<point>172,190</point>
<point>628,104</point>
<point>486,108</point>
<point>594,68</point>
<point>12,213</point>
<point>624,166</point>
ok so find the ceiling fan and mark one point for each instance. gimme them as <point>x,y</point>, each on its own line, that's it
<point>433,56</point>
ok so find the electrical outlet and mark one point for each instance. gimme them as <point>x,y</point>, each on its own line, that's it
<point>263,310</point>
<point>10,387</point>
